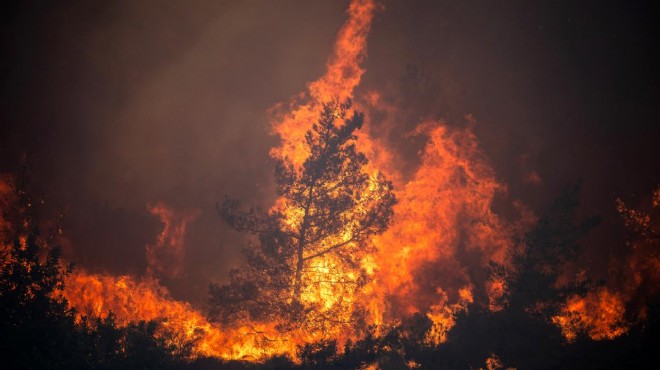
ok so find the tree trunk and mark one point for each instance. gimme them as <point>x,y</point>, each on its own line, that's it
<point>297,283</point>
<point>298,277</point>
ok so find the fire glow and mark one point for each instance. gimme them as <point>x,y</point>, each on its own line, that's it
<point>443,229</point>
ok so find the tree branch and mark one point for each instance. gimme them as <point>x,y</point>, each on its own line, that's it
<point>330,249</point>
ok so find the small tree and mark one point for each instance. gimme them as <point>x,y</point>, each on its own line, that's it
<point>37,326</point>
<point>520,331</point>
<point>327,210</point>
<point>547,248</point>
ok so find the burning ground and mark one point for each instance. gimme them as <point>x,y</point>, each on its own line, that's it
<point>389,237</point>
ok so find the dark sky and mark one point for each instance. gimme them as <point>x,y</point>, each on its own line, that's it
<point>116,105</point>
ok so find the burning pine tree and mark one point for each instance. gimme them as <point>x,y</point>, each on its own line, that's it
<point>304,267</point>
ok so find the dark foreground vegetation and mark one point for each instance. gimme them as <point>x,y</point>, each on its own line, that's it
<point>39,331</point>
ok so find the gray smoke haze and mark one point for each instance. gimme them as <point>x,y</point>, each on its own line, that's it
<point>117,105</point>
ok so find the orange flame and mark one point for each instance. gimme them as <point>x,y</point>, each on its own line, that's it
<point>442,218</point>
<point>166,255</point>
<point>131,300</point>
<point>600,314</point>
<point>343,74</point>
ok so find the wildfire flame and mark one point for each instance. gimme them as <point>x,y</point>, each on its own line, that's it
<point>443,217</point>
<point>132,299</point>
<point>342,76</point>
<point>430,261</point>
<point>443,210</point>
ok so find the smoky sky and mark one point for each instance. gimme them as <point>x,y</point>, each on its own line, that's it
<point>118,105</point>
